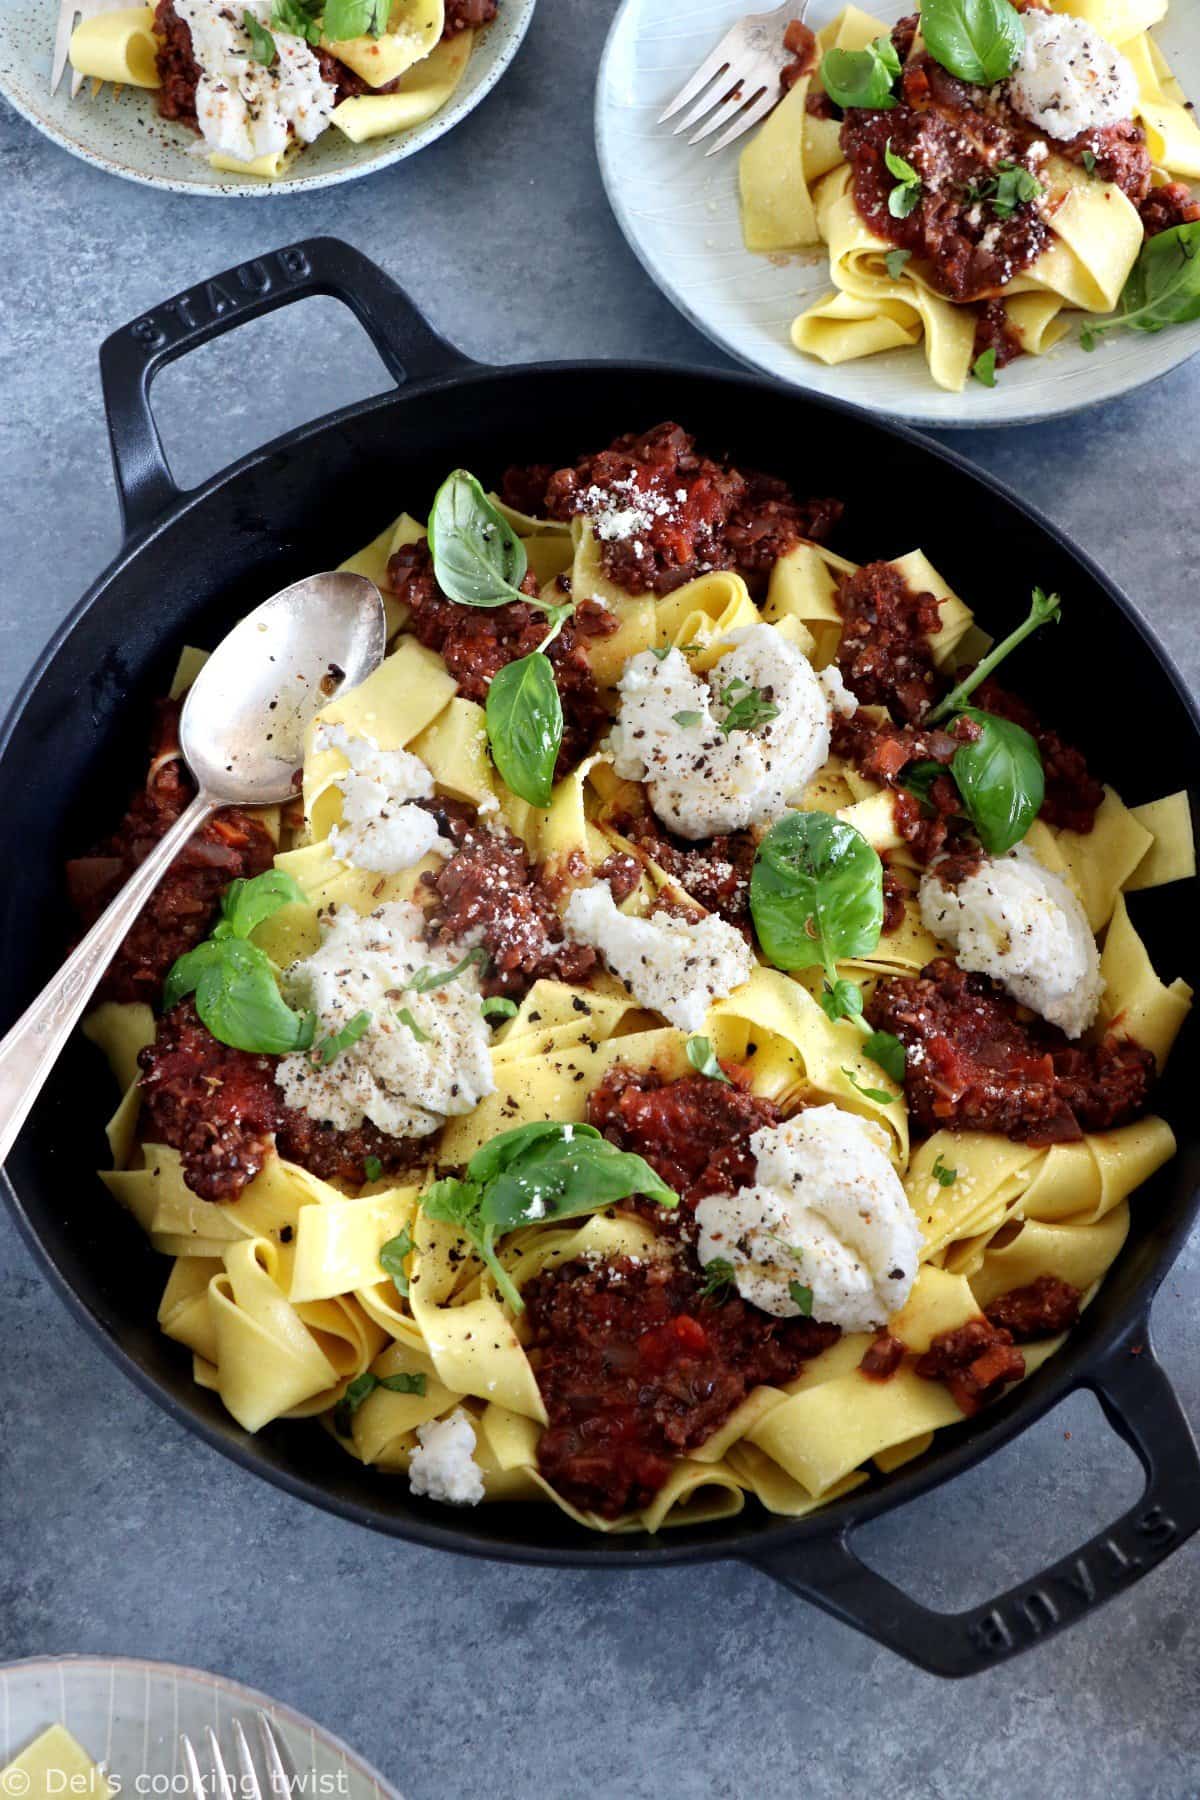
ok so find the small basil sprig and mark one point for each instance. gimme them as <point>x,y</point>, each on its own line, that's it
<point>362,1387</point>
<point>355,18</point>
<point>237,995</point>
<point>861,77</point>
<point>538,1174</point>
<point>302,18</point>
<point>703,1059</point>
<point>905,197</point>
<point>816,897</point>
<point>977,40</point>
<point>1044,609</point>
<point>1163,286</point>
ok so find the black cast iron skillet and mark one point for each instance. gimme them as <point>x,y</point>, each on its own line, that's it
<point>193,563</point>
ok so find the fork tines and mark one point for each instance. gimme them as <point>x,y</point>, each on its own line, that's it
<point>737,85</point>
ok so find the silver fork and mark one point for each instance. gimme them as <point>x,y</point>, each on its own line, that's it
<point>280,1780</point>
<point>739,83</point>
<point>70,13</point>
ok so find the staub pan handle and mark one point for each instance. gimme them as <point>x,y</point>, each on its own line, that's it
<point>1141,1405</point>
<point>131,358</point>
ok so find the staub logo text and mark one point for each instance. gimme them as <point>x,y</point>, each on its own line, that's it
<point>212,300</point>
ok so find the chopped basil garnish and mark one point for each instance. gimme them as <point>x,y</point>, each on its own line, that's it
<point>889,1053</point>
<point>497,1007</point>
<point>703,1059</point>
<point>372,1168</point>
<point>262,44</point>
<point>802,1296</point>
<point>984,366</point>
<point>330,1048</point>
<point>718,1274</point>
<point>1089,162</point>
<point>686,719</point>
<point>363,1386</point>
<point>237,995</point>
<point>977,40</point>
<point>944,1176</point>
<point>426,978</point>
<point>538,1174</point>
<point>748,709</point>
<point>880,1096</point>
<point>905,197</point>
<point>355,18</point>
<point>895,260</point>
<point>405,1017</point>
<point>392,1259</point>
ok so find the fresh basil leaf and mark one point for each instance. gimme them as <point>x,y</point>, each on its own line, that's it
<point>238,998</point>
<point>355,18</point>
<point>703,1059</point>
<point>450,1201</point>
<point>816,893</point>
<point>902,170</point>
<point>563,1179</point>
<point>500,1152</point>
<point>497,1007</point>
<point>984,367</point>
<point>686,719</point>
<point>247,904</point>
<point>1001,780</point>
<point>525,726</point>
<point>918,780</point>
<point>372,1168</point>
<point>895,260</point>
<point>944,1176</point>
<point>1014,186</point>
<point>861,77</point>
<point>478,559</point>
<point>1044,609</point>
<point>977,40</point>
<point>392,1258</point>
<point>404,1382</point>
<point>331,1047</point>
<point>1163,287</point>
<point>360,1389</point>
<point>262,44</point>
<point>426,978</point>
<point>841,999</point>
<point>718,1274</point>
<point>802,1296</point>
<point>904,200</point>
<point>880,1096</point>
<point>1089,162</point>
<point>888,1051</point>
<point>406,1019</point>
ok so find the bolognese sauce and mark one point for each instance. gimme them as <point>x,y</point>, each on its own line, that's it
<point>695,1133</point>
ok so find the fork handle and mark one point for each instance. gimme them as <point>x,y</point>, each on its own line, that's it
<point>36,1041</point>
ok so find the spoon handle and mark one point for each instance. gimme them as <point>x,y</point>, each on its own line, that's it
<point>36,1041</point>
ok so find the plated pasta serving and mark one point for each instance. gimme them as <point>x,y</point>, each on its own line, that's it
<point>687,1041</point>
<point>981,176</point>
<point>256,82</point>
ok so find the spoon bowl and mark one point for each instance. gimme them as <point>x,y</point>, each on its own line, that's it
<point>244,720</point>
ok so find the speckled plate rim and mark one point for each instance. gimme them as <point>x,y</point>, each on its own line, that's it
<point>500,42</point>
<point>237,1691</point>
<point>1125,373</point>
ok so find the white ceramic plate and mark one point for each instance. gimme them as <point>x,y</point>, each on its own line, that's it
<point>128,1715</point>
<point>125,135</point>
<point>679,210</point>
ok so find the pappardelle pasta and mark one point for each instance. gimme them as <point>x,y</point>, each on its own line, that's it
<point>688,1040</point>
<point>980,176</point>
<point>260,80</point>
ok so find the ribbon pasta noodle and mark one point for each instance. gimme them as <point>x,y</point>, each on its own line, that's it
<point>361,1305</point>
<point>1064,244</point>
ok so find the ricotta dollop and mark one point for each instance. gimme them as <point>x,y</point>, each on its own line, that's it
<point>245,110</point>
<point>406,1081</point>
<point>674,966</point>
<point>1014,920</point>
<point>443,1465</point>
<point>381,829</point>
<point>1069,78</point>
<point>828,1213</point>
<point>701,780</point>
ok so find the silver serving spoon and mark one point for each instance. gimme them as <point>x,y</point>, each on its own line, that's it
<point>242,736</point>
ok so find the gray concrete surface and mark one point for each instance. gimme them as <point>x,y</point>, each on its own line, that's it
<point>120,1534</point>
